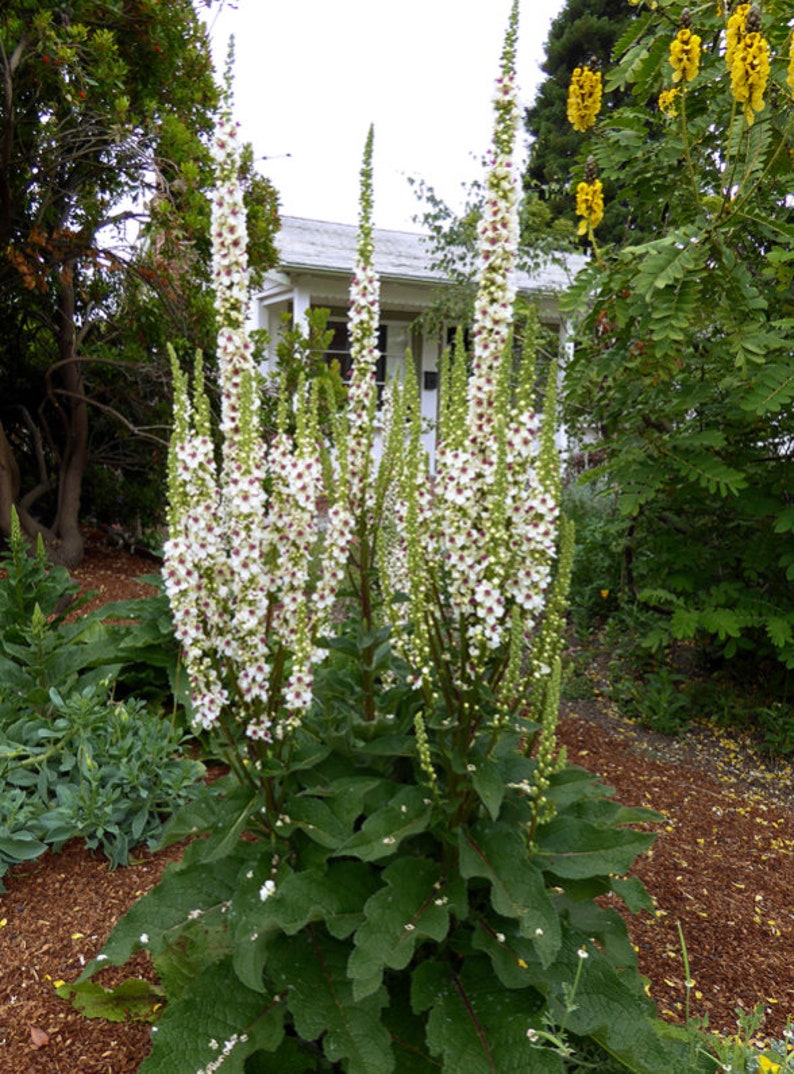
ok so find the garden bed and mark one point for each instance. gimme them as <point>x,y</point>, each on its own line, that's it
<point>722,866</point>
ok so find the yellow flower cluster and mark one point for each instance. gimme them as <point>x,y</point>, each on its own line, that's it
<point>790,76</point>
<point>685,55</point>
<point>667,102</point>
<point>584,98</point>
<point>750,74</point>
<point>737,28</point>
<point>590,206</point>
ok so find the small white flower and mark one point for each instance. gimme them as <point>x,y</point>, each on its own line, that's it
<point>582,953</point>
<point>538,932</point>
<point>214,1045</point>
<point>500,937</point>
<point>101,958</point>
<point>267,889</point>
<point>532,1035</point>
<point>409,927</point>
<point>144,937</point>
<point>389,841</point>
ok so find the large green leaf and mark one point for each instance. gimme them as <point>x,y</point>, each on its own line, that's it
<point>407,1029</point>
<point>406,814</point>
<point>310,969</point>
<point>476,1025</point>
<point>132,1000</point>
<point>576,849</point>
<point>409,909</point>
<point>183,894</point>
<point>499,853</point>
<point>335,895</point>
<point>610,1008</point>
<point>215,1015</point>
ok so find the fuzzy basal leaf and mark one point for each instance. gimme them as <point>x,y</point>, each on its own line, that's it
<point>335,896</point>
<point>216,1014</point>
<point>156,919</point>
<point>572,848</point>
<point>407,814</point>
<point>499,853</point>
<point>408,910</point>
<point>477,1026</point>
<point>310,968</point>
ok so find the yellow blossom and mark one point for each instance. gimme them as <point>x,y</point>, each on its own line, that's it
<point>685,55</point>
<point>737,26</point>
<point>584,98</point>
<point>767,1066</point>
<point>790,77</point>
<point>590,206</point>
<point>750,73</point>
<point>667,102</point>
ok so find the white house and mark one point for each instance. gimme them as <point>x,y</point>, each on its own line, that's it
<point>316,263</point>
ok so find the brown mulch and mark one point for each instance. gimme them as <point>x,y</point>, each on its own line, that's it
<point>722,866</point>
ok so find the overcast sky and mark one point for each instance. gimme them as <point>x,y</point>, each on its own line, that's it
<point>311,75</point>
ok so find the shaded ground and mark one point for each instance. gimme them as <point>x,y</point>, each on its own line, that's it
<point>723,865</point>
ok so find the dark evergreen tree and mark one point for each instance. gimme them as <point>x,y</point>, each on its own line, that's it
<point>585,30</point>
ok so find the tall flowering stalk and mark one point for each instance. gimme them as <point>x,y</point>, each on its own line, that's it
<point>478,548</point>
<point>243,534</point>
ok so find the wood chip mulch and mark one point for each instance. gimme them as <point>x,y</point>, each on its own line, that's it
<point>722,866</point>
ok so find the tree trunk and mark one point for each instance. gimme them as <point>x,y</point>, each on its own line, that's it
<point>74,415</point>
<point>9,493</point>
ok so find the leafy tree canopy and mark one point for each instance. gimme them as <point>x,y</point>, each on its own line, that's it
<point>684,364</point>
<point>106,112</point>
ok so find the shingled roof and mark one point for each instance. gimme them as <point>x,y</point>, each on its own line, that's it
<point>321,246</point>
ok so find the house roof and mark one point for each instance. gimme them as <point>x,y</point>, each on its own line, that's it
<point>322,246</point>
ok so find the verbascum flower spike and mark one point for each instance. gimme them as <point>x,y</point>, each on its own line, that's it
<point>685,51</point>
<point>750,67</point>
<point>498,245</point>
<point>790,75</point>
<point>194,557</point>
<point>363,322</point>
<point>589,200</point>
<point>584,97</point>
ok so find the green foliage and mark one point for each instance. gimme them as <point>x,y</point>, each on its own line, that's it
<point>682,368</point>
<point>597,563</point>
<point>106,119</point>
<point>105,772</point>
<point>73,763</point>
<point>45,645</point>
<point>133,1000</point>
<point>390,930</point>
